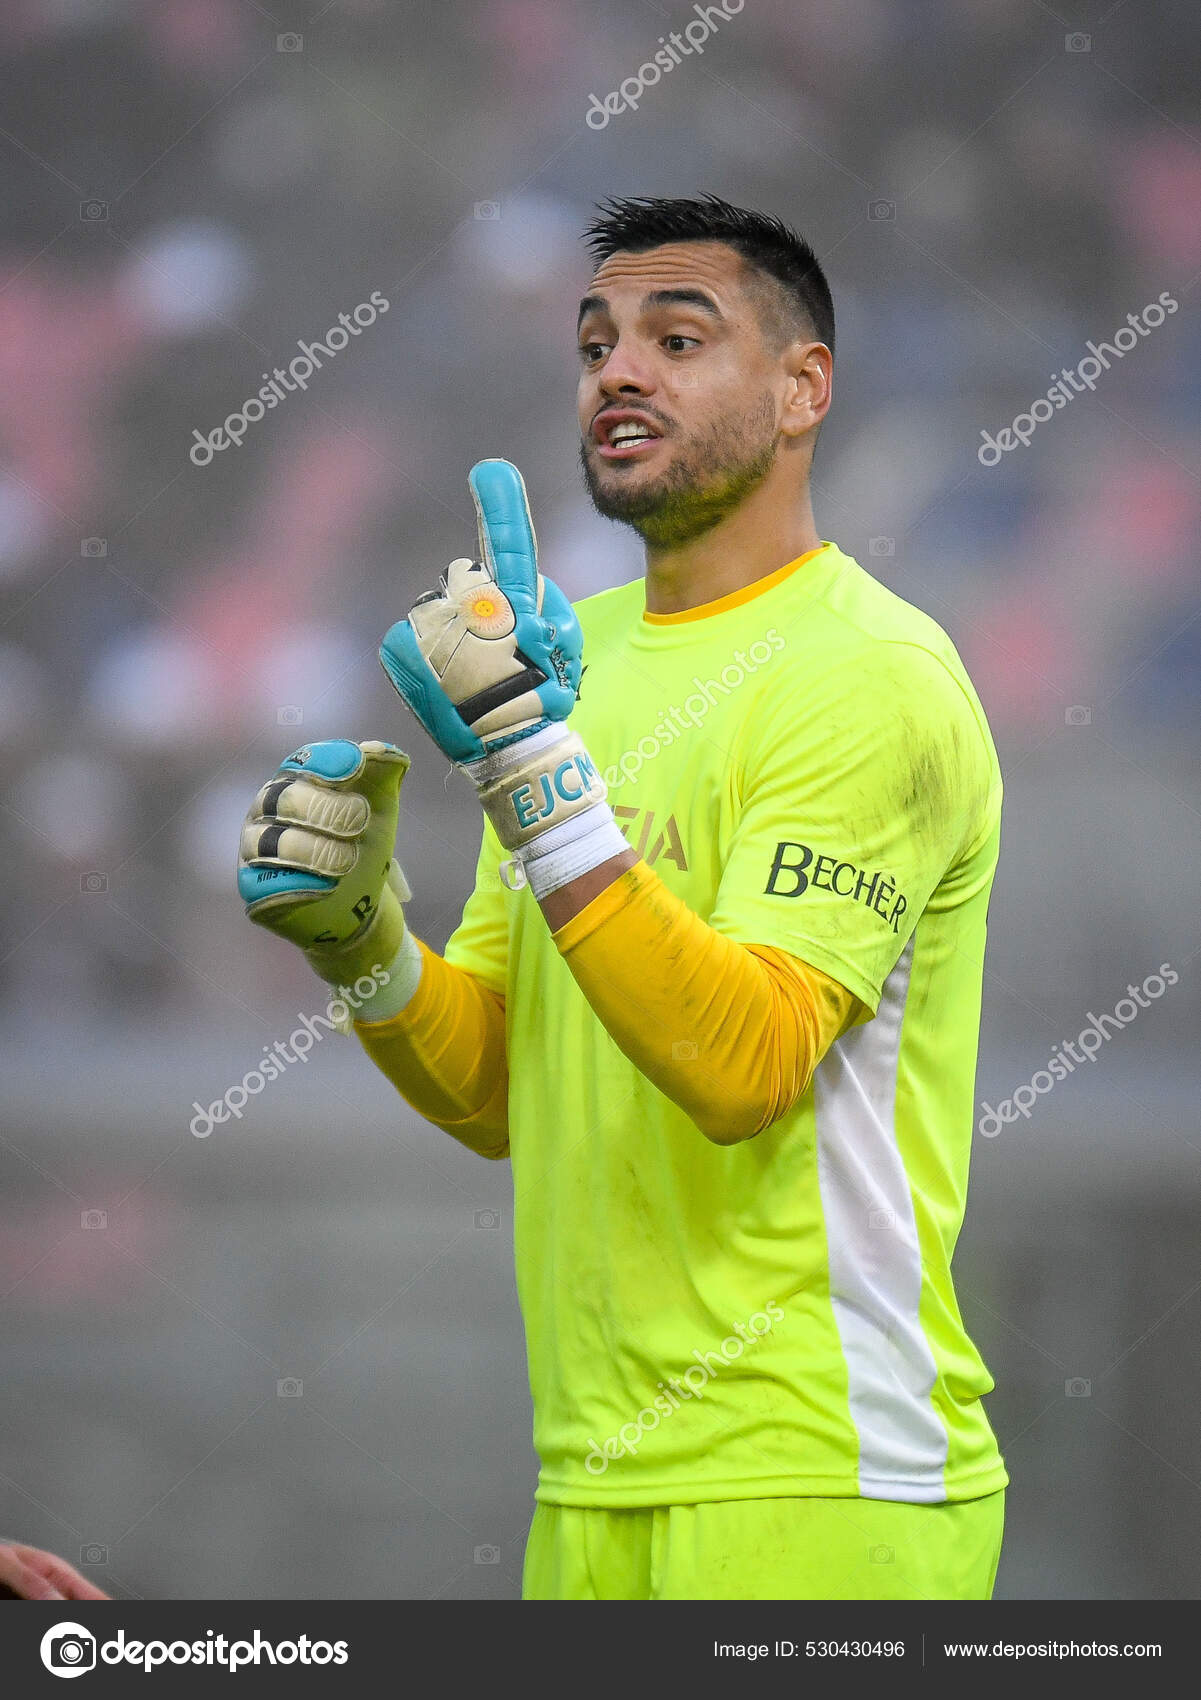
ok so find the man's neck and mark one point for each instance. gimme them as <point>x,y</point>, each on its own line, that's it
<point>755,540</point>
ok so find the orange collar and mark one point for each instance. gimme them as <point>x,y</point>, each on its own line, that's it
<point>735,597</point>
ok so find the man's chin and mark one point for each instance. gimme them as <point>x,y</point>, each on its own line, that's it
<point>628,500</point>
<point>623,489</point>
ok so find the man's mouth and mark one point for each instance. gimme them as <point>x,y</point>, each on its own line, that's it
<point>623,435</point>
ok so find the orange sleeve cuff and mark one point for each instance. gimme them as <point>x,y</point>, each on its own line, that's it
<point>604,905</point>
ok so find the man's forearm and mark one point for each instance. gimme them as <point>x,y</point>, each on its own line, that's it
<point>445,1054</point>
<point>565,904</point>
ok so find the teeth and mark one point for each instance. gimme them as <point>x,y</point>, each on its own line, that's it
<point>628,431</point>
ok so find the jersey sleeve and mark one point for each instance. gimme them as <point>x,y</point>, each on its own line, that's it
<point>480,942</point>
<point>859,789</point>
<point>759,1021</point>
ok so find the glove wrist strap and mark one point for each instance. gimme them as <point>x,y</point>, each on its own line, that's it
<point>546,801</point>
<point>400,986</point>
<point>581,844</point>
<point>536,783</point>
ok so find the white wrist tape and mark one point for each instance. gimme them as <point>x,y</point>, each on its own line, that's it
<point>580,845</point>
<point>404,976</point>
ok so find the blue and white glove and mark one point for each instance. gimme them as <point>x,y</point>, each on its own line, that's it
<point>316,864</point>
<point>490,663</point>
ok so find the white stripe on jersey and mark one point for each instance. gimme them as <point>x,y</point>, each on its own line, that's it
<point>875,1264</point>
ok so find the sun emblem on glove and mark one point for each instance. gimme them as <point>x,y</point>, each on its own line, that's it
<point>487,613</point>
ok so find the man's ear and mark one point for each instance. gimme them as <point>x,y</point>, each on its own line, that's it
<point>810,370</point>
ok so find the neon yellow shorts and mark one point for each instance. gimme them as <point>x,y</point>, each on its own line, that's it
<point>767,1549</point>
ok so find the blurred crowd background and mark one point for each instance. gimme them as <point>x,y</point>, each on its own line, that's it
<point>193,188</point>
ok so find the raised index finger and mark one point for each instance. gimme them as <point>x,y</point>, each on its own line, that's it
<point>507,540</point>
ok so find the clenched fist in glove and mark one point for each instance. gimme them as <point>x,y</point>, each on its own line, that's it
<point>316,862</point>
<point>490,663</point>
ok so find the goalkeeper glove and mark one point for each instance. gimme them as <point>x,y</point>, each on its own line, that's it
<point>316,863</point>
<point>490,663</point>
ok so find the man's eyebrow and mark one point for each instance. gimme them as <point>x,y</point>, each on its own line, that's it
<point>684,298</point>
<point>657,298</point>
<point>591,304</point>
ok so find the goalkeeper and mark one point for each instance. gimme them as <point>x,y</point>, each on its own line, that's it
<point>720,1008</point>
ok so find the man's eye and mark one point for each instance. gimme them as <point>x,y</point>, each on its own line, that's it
<point>690,341</point>
<point>590,351</point>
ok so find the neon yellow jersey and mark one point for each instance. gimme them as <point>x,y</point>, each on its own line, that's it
<point>806,764</point>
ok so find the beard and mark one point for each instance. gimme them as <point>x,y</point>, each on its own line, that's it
<point>710,476</point>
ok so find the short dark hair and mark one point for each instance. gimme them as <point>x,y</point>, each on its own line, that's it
<point>638,222</point>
